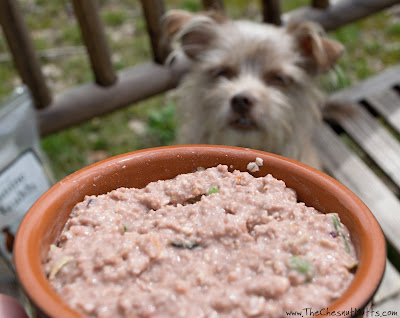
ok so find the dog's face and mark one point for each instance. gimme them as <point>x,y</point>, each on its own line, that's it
<point>250,84</point>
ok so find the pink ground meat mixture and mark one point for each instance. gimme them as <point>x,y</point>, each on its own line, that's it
<point>206,244</point>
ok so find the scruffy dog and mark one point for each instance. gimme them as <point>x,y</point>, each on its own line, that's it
<point>250,84</point>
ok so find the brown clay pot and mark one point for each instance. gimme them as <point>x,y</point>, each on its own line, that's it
<point>46,219</point>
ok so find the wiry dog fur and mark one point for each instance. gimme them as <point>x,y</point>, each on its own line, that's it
<point>250,84</point>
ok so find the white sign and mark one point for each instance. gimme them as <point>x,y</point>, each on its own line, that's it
<point>21,183</point>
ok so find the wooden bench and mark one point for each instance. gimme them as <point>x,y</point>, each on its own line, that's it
<point>371,132</point>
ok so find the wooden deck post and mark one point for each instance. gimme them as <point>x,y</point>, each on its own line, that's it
<point>271,11</point>
<point>23,52</point>
<point>95,41</point>
<point>153,11</point>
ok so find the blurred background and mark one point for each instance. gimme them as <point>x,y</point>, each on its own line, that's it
<point>372,45</point>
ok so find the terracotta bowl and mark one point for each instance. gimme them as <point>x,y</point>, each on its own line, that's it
<point>45,220</point>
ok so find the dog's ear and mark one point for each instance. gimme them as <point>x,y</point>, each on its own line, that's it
<point>320,53</point>
<point>196,32</point>
<point>174,21</point>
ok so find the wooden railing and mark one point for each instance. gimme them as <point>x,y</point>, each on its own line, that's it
<point>112,90</point>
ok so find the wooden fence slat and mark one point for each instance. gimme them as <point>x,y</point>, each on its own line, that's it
<point>23,51</point>
<point>217,5</point>
<point>348,168</point>
<point>375,140</point>
<point>271,11</point>
<point>340,12</point>
<point>93,35</point>
<point>373,85</point>
<point>89,100</point>
<point>387,104</point>
<point>390,285</point>
<point>153,11</point>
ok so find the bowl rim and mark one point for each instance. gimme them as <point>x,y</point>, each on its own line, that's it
<point>30,274</point>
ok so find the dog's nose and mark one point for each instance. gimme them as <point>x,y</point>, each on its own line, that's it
<point>242,102</point>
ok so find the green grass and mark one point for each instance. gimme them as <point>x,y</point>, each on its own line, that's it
<point>71,34</point>
<point>114,17</point>
<point>372,45</point>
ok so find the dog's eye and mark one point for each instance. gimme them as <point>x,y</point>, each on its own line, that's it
<point>225,71</point>
<point>278,79</point>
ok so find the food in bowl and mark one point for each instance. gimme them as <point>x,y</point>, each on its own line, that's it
<point>211,243</point>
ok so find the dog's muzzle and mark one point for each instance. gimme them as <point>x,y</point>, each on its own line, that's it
<point>241,118</point>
